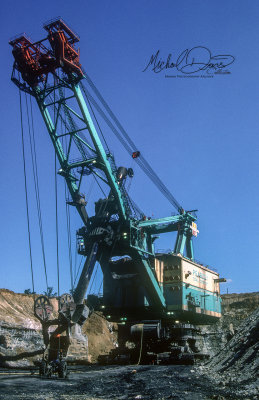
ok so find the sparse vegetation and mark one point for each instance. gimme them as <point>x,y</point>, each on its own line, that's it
<point>50,292</point>
<point>28,291</point>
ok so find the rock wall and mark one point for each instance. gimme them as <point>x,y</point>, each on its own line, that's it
<point>21,341</point>
<point>235,309</point>
<point>235,366</point>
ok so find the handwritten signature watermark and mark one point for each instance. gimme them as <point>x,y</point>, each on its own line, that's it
<point>196,62</point>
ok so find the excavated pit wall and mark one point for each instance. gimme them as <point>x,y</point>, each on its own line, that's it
<point>21,341</point>
<point>236,307</point>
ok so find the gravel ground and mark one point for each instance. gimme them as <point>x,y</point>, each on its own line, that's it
<point>122,383</point>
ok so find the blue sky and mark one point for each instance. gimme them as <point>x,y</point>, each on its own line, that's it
<point>200,135</point>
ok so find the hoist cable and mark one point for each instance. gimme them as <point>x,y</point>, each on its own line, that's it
<point>78,269</point>
<point>75,263</point>
<point>64,144</point>
<point>98,183</point>
<point>93,280</point>
<point>56,199</point>
<point>69,238</point>
<point>63,125</point>
<point>56,210</point>
<point>129,144</point>
<point>91,186</point>
<point>136,207</point>
<point>36,183</point>
<point>26,192</point>
<point>99,290</point>
<point>98,265</point>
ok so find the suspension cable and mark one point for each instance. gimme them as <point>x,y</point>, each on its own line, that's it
<point>129,144</point>
<point>90,105</point>
<point>26,191</point>
<point>146,169</point>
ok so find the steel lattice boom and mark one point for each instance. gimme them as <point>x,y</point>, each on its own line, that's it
<point>116,236</point>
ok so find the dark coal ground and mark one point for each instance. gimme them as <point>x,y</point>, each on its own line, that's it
<point>120,382</point>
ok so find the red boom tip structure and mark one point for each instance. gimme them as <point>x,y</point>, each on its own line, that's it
<point>35,61</point>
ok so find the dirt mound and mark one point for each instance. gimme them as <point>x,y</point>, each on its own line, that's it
<point>102,336</point>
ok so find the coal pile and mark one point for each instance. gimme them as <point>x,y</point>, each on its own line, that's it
<point>235,367</point>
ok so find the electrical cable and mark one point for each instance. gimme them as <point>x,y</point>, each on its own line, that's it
<point>141,344</point>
